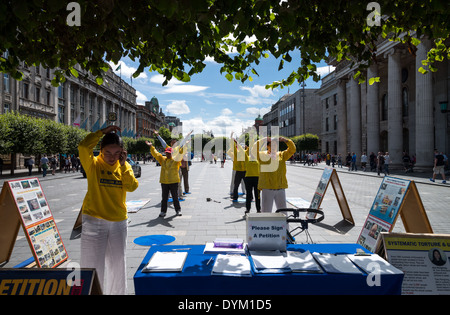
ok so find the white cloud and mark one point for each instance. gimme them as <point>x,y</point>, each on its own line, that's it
<point>255,111</point>
<point>258,91</point>
<point>226,112</point>
<point>176,86</point>
<point>141,98</point>
<point>220,125</point>
<point>323,71</point>
<point>125,70</point>
<point>178,108</point>
<point>259,95</point>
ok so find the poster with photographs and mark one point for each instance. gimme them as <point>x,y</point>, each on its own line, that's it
<point>38,222</point>
<point>384,211</point>
<point>321,188</point>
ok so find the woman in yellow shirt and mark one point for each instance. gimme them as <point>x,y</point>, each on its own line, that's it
<point>104,230</point>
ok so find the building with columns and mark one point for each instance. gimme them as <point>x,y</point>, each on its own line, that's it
<point>77,99</point>
<point>401,113</point>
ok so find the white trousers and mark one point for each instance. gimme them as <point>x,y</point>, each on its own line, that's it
<point>268,196</point>
<point>103,247</point>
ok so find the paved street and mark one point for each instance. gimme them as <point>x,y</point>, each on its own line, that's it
<point>204,220</point>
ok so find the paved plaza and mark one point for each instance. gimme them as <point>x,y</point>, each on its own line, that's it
<point>203,221</point>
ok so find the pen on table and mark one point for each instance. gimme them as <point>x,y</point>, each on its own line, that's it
<point>209,261</point>
<point>180,248</point>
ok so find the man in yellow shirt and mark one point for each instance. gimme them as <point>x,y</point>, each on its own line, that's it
<point>169,176</point>
<point>272,178</point>
<point>104,211</point>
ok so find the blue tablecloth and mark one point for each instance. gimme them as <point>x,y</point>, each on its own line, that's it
<point>196,278</point>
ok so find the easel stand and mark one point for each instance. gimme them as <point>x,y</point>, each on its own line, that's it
<point>396,197</point>
<point>330,175</point>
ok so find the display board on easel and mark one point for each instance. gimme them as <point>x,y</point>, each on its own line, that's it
<point>23,203</point>
<point>330,175</point>
<point>395,197</point>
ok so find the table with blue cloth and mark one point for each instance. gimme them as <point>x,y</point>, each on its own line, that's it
<point>196,278</point>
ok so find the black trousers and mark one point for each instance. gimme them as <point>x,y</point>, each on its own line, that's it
<point>238,177</point>
<point>173,188</point>
<point>251,187</point>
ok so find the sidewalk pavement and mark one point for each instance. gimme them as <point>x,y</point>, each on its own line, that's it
<point>208,213</point>
<point>23,173</point>
<point>417,176</point>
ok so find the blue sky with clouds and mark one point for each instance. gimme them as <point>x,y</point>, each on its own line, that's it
<point>209,101</point>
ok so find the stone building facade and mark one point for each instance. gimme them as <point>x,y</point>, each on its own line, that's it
<point>401,113</point>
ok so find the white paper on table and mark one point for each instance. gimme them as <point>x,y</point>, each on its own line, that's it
<point>269,260</point>
<point>302,262</point>
<point>380,265</point>
<point>231,265</point>
<point>336,263</point>
<point>166,262</point>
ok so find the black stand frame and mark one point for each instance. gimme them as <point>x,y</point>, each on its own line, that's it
<point>295,217</point>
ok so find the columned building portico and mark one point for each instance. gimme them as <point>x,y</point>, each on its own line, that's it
<point>424,110</point>
<point>395,122</point>
<point>400,113</point>
<point>342,116</point>
<point>373,112</point>
<point>355,116</point>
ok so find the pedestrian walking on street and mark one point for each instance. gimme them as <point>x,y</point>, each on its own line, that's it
<point>373,161</point>
<point>353,161</point>
<point>30,164</point>
<point>44,165</point>
<point>380,162</point>
<point>438,168</point>
<point>348,160</point>
<point>53,163</point>
<point>387,161</point>
<point>104,210</point>
<point>363,161</point>
<point>272,177</point>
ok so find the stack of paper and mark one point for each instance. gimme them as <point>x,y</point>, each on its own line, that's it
<point>166,262</point>
<point>269,262</point>
<point>229,243</point>
<point>381,265</point>
<point>302,262</point>
<point>211,249</point>
<point>231,265</point>
<point>336,263</point>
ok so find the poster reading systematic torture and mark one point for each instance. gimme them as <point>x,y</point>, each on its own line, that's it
<point>37,221</point>
<point>424,258</point>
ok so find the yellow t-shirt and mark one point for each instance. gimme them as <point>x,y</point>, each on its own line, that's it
<point>273,166</point>
<point>169,167</point>
<point>107,184</point>
<point>238,157</point>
